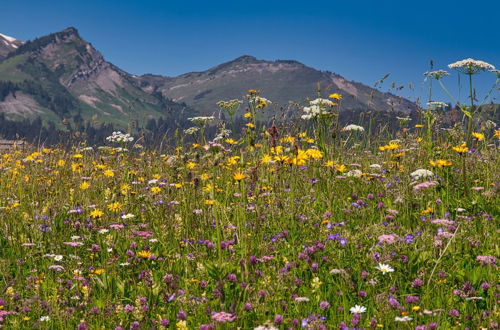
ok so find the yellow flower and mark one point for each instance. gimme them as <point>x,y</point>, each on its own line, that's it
<point>181,325</point>
<point>61,162</point>
<point>390,146</point>
<point>84,185</point>
<point>250,125</point>
<point>288,139</point>
<point>204,177</point>
<point>209,202</point>
<point>238,176</point>
<point>415,308</point>
<point>428,210</point>
<point>190,165</point>
<point>144,254</point>
<point>419,126</point>
<point>76,167</point>
<point>314,153</point>
<point>99,271</point>
<point>96,213</point>
<point>155,190</point>
<point>335,96</point>
<point>109,173</point>
<point>77,156</point>
<point>230,141</point>
<point>115,207</point>
<point>461,149</point>
<point>277,150</point>
<point>497,133</point>
<point>266,159</point>
<point>233,160</point>
<point>440,163</point>
<point>330,163</point>
<point>340,167</point>
<point>208,188</point>
<point>478,136</point>
<point>247,115</point>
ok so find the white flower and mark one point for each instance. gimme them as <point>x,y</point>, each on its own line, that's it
<point>497,72</point>
<point>119,137</point>
<point>353,127</point>
<point>436,74</point>
<point>403,319</point>
<point>421,174</point>
<point>45,318</point>
<point>322,102</point>
<point>127,216</point>
<point>354,173</point>
<point>384,268</point>
<point>471,66</point>
<point>201,120</point>
<point>403,119</point>
<point>375,166</point>
<point>191,130</point>
<point>301,299</point>
<point>123,264</point>
<point>58,257</point>
<point>358,309</point>
<point>103,231</point>
<point>74,238</point>
<point>436,105</point>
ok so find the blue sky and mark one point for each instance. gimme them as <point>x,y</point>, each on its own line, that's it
<point>361,40</point>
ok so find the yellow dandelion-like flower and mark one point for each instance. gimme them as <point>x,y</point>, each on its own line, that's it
<point>478,136</point>
<point>238,176</point>
<point>335,96</point>
<point>115,207</point>
<point>77,156</point>
<point>96,213</point>
<point>419,126</point>
<point>340,167</point>
<point>247,115</point>
<point>266,159</point>
<point>314,153</point>
<point>497,134</point>
<point>329,163</point>
<point>190,165</point>
<point>209,202</point>
<point>61,162</point>
<point>230,141</point>
<point>461,149</point>
<point>144,254</point>
<point>109,173</point>
<point>250,125</point>
<point>155,190</point>
<point>390,146</point>
<point>84,185</point>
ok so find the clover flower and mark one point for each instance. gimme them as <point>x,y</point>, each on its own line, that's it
<point>471,66</point>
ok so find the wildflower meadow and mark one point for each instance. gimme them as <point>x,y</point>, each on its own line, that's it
<point>312,224</point>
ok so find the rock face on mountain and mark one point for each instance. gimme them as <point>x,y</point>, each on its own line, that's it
<point>61,75</point>
<point>280,81</point>
<point>7,45</point>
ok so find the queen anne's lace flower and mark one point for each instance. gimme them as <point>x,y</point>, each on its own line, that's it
<point>353,127</point>
<point>201,120</point>
<point>471,66</point>
<point>421,174</point>
<point>120,137</point>
<point>436,74</point>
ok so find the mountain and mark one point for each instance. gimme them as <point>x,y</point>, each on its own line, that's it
<point>62,76</point>
<point>7,45</point>
<point>280,81</point>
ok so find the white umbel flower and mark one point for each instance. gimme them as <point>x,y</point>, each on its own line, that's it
<point>353,127</point>
<point>201,120</point>
<point>421,174</point>
<point>119,137</point>
<point>471,66</point>
<point>436,74</point>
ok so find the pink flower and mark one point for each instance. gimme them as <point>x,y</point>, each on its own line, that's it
<point>424,185</point>
<point>388,239</point>
<point>73,244</point>
<point>443,222</point>
<point>142,234</point>
<point>487,260</point>
<point>222,317</point>
<point>116,226</point>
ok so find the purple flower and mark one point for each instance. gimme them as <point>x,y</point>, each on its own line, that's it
<point>324,305</point>
<point>454,313</point>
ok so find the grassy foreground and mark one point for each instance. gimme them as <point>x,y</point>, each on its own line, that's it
<point>284,233</point>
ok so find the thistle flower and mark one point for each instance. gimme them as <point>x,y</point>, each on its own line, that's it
<point>471,66</point>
